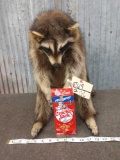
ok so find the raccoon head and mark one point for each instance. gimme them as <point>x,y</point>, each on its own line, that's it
<point>54,34</point>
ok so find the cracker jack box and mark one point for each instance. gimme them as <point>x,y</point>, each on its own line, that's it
<point>64,110</point>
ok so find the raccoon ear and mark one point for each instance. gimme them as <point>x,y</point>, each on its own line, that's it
<point>38,34</point>
<point>73,27</point>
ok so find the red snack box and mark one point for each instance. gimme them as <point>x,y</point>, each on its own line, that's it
<point>64,110</point>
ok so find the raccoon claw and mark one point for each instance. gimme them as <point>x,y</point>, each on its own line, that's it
<point>34,134</point>
<point>36,128</point>
<point>95,131</point>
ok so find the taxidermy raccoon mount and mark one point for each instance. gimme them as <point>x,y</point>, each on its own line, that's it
<point>57,52</point>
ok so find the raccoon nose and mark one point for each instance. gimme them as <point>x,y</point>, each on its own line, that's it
<point>57,65</point>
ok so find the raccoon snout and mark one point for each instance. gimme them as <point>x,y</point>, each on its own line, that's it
<point>57,65</point>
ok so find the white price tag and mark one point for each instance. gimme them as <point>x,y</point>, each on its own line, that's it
<point>81,88</point>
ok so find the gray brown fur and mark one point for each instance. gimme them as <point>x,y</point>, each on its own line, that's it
<point>57,52</point>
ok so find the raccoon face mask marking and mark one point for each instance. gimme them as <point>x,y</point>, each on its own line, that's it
<point>55,54</point>
<point>45,49</point>
<point>65,47</point>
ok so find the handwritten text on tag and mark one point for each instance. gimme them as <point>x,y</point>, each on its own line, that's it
<point>81,87</point>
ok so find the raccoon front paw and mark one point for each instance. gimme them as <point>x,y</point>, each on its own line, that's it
<point>36,128</point>
<point>95,130</point>
<point>92,125</point>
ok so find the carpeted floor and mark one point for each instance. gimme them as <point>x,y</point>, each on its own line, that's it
<point>16,119</point>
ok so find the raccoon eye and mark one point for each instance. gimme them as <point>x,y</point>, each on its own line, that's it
<point>46,50</point>
<point>65,47</point>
